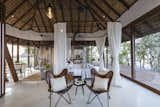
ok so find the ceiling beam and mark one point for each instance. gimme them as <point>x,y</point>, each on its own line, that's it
<point>23,15</point>
<point>49,21</point>
<point>85,20</point>
<point>111,8</point>
<point>36,24</point>
<point>92,25</point>
<point>92,12</point>
<point>30,19</point>
<point>124,3</point>
<point>78,29</point>
<point>41,17</point>
<point>104,12</point>
<point>15,9</point>
<point>4,1</point>
<point>62,11</point>
<point>71,17</point>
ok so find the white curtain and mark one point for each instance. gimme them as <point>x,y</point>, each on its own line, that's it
<point>69,47</point>
<point>114,37</point>
<point>60,47</point>
<point>100,42</point>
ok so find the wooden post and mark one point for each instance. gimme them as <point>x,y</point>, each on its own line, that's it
<point>12,50</point>
<point>10,64</point>
<point>2,54</point>
<point>28,54</point>
<point>17,50</point>
<point>132,52</point>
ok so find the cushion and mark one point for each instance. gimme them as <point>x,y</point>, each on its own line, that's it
<point>58,84</point>
<point>100,83</point>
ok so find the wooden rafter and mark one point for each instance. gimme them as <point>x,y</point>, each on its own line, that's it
<point>78,11</point>
<point>124,3</point>
<point>70,9</point>
<point>49,21</point>
<point>23,15</point>
<point>4,1</point>
<point>62,11</point>
<point>42,19</point>
<point>91,11</point>
<point>30,19</point>
<point>14,10</point>
<point>92,26</point>
<point>85,20</point>
<point>111,8</point>
<point>36,24</point>
<point>104,12</point>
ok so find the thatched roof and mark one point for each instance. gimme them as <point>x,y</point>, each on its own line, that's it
<point>81,15</point>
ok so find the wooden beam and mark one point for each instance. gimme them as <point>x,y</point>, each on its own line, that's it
<point>62,11</point>
<point>10,64</point>
<point>41,16</point>
<point>4,1</point>
<point>92,27</point>
<point>85,20</point>
<point>78,11</point>
<point>36,24</point>
<point>90,11</point>
<point>70,10</point>
<point>14,10</point>
<point>111,8</point>
<point>24,15</point>
<point>18,50</point>
<point>124,3</point>
<point>98,7</point>
<point>26,22</point>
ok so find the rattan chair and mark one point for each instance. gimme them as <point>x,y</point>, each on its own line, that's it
<point>99,91</point>
<point>61,92</point>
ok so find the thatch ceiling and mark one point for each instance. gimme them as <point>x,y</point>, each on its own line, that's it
<point>81,15</point>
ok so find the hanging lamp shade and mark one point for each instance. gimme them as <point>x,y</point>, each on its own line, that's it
<point>49,12</point>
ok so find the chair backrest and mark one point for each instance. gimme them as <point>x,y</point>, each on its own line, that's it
<point>108,75</point>
<point>50,75</point>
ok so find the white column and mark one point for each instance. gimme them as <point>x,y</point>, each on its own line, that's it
<point>60,47</point>
<point>114,37</point>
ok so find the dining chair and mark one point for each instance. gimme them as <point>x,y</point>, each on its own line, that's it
<point>100,83</point>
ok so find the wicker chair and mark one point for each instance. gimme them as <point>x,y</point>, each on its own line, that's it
<point>97,92</point>
<point>49,77</point>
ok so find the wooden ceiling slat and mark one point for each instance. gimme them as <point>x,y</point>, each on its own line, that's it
<point>78,30</point>
<point>124,3</point>
<point>14,10</point>
<point>85,30</point>
<point>70,9</point>
<point>62,11</point>
<point>98,7</point>
<point>23,15</point>
<point>42,18</point>
<point>26,22</point>
<point>109,6</point>
<point>92,12</point>
<point>4,1</point>
<point>37,24</point>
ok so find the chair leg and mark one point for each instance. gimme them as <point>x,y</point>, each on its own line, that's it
<point>50,99</point>
<point>108,98</point>
<point>99,101</point>
<point>76,90</point>
<point>92,99</point>
<point>89,97</point>
<point>58,101</point>
<point>69,102</point>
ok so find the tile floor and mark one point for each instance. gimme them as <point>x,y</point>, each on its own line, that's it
<point>34,94</point>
